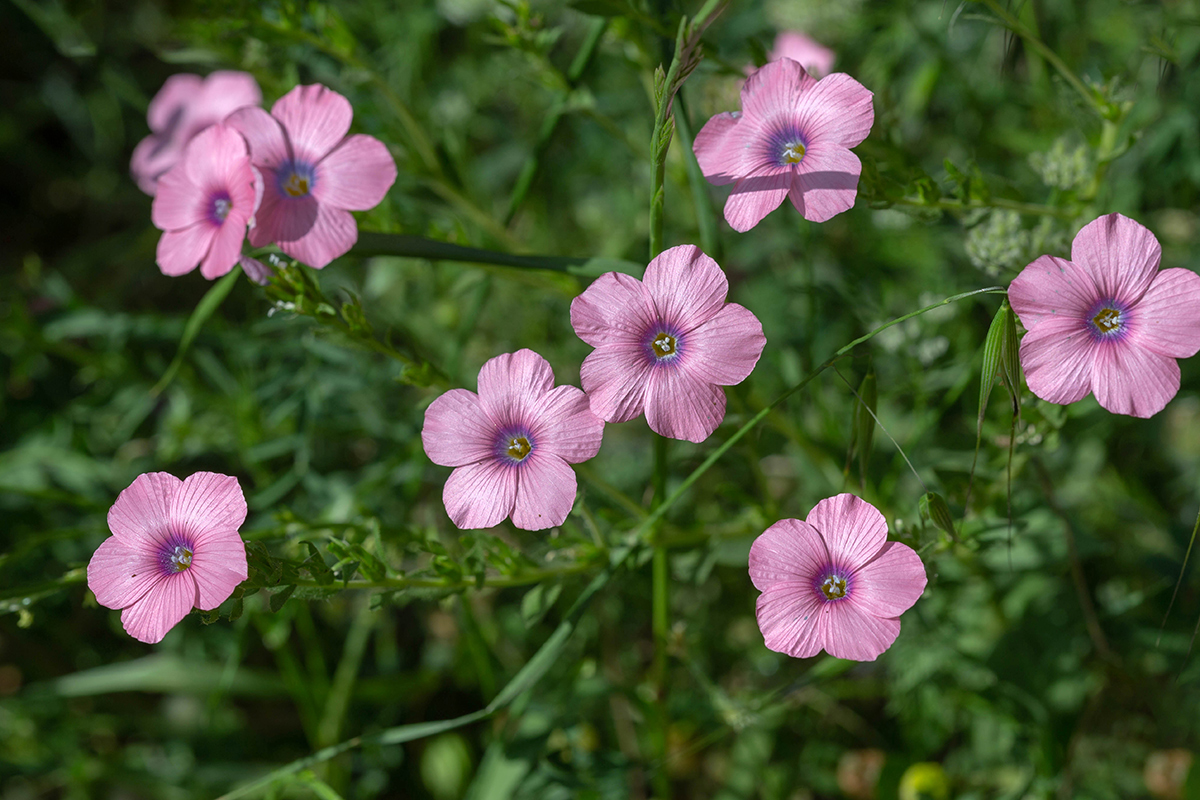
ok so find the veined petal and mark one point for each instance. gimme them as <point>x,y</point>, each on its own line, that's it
<point>850,632</point>
<point>725,349</point>
<point>791,550</point>
<point>1051,288</point>
<point>682,406</point>
<point>755,196</point>
<point>688,287</point>
<point>1129,379</point>
<point>161,608</point>
<point>826,181</point>
<point>457,431</point>
<point>180,251</point>
<point>215,157</point>
<point>356,175</point>
<point>789,616</point>
<point>720,149</point>
<point>267,142</point>
<point>889,584</point>
<point>141,512</point>
<point>1056,357</point>
<point>615,308</point>
<point>836,110</point>
<point>120,573</point>
<point>316,119</point>
<point>227,90</point>
<point>545,492</point>
<point>206,505</point>
<point>566,427</point>
<point>480,495</point>
<point>167,109</point>
<point>1121,254</point>
<point>332,233</point>
<point>854,530</point>
<point>218,567</point>
<point>775,91</point>
<point>178,202</point>
<point>615,377</point>
<point>512,384</point>
<point>1167,318</point>
<point>279,218</point>
<point>226,247</point>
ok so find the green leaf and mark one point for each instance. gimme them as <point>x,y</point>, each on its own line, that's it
<point>204,309</point>
<point>315,565</point>
<point>281,597</point>
<point>537,601</point>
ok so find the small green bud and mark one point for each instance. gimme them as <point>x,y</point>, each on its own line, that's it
<point>934,509</point>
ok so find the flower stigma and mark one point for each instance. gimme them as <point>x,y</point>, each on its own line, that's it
<point>296,185</point>
<point>664,345</point>
<point>1108,320</point>
<point>181,558</point>
<point>834,587</point>
<point>221,207</point>
<point>793,153</point>
<point>518,448</point>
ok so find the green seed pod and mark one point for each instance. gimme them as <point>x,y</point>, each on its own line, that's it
<point>933,508</point>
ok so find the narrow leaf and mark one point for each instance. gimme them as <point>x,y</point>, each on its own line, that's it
<point>204,309</point>
<point>281,597</point>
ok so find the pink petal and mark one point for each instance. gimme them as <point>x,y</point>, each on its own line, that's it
<point>332,234</point>
<point>216,158</point>
<point>615,308</point>
<point>826,182</point>
<point>1052,288</point>
<point>725,349</point>
<point>152,158</point>
<point>141,512</point>
<point>789,616</point>
<point>316,119</point>
<point>180,251</point>
<point>545,492</point>
<point>227,90</point>
<point>816,58</point>
<point>456,431</point>
<point>218,566</point>
<point>836,110</point>
<point>480,495</point>
<point>789,550</point>
<point>681,406</point>
<point>687,286</point>
<point>757,195</point>
<point>280,218</point>
<point>889,584</point>
<point>1167,318</point>
<point>854,530</point>
<point>1056,357</point>
<point>208,505</point>
<point>566,426</point>
<point>356,175</point>
<point>119,574</point>
<point>177,94</point>
<point>267,143</point>
<point>850,632</point>
<point>511,386</point>
<point>775,90</point>
<point>161,608</point>
<point>226,246</point>
<point>178,202</point>
<point>615,377</point>
<point>1129,379</point>
<point>1122,255</point>
<point>720,150</point>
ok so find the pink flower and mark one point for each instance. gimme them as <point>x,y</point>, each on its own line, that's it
<point>511,444</point>
<point>175,546</point>
<point>792,139</point>
<point>665,345</point>
<point>313,174</point>
<point>184,106</point>
<point>833,582</point>
<point>816,58</point>
<point>1107,321</point>
<point>204,204</point>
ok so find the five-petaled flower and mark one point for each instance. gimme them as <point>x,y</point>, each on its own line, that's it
<point>204,203</point>
<point>511,444</point>
<point>665,345</point>
<point>185,105</point>
<point>313,174</point>
<point>175,546</point>
<point>1107,321</point>
<point>792,139</point>
<point>833,582</point>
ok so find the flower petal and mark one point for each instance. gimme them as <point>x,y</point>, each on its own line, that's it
<point>216,158</point>
<point>1056,357</point>
<point>1129,379</point>
<point>565,426</point>
<point>720,149</point>
<point>725,349</point>
<point>682,406</point>
<point>332,234</point>
<point>615,377</point>
<point>854,530</point>
<point>316,119</point>
<point>227,90</point>
<point>789,616</point>
<point>1121,254</point>
<point>775,91</point>
<point>267,142</point>
<point>480,495</point>
<point>615,308</point>
<point>167,108</point>
<point>511,386</point>
<point>457,431</point>
<point>826,182</point>
<point>688,287</point>
<point>218,566</point>
<point>789,550</point>
<point>208,506</point>
<point>836,110</point>
<point>816,58</point>
<point>178,202</point>
<point>850,632</point>
<point>180,251</point>
<point>161,608</point>
<point>1167,318</point>
<point>119,574</point>
<point>226,246</point>
<point>356,175</point>
<point>152,158</point>
<point>545,492</point>
<point>1051,288</point>
<point>755,196</point>
<point>279,218</point>
<point>889,584</point>
<point>141,512</point>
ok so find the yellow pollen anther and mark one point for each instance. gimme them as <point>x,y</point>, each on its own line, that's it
<point>793,153</point>
<point>296,186</point>
<point>181,559</point>
<point>834,587</point>
<point>1108,320</point>
<point>663,345</point>
<point>519,447</point>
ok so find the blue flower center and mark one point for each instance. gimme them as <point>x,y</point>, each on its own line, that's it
<point>219,207</point>
<point>297,179</point>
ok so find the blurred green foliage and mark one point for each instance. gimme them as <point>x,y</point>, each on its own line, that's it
<point>1032,667</point>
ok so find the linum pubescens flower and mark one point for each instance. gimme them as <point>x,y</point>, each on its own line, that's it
<point>511,444</point>
<point>313,174</point>
<point>666,344</point>
<point>175,546</point>
<point>1107,321</point>
<point>184,106</point>
<point>833,582</point>
<point>791,139</point>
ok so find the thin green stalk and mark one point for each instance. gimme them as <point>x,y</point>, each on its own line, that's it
<point>958,206</point>
<point>660,610</point>
<point>395,244</point>
<point>338,698</point>
<point>706,219</point>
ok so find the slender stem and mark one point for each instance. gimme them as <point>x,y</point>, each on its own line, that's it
<point>395,244</point>
<point>660,611</point>
<point>996,202</point>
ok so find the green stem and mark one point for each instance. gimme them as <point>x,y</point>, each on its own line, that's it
<point>395,244</point>
<point>660,608</point>
<point>998,202</point>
